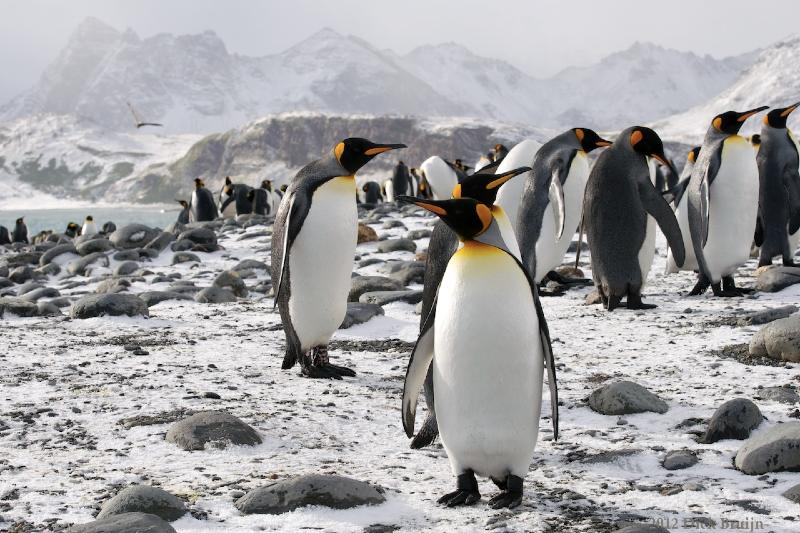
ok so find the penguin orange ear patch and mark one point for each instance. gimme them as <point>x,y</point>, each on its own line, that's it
<point>579,134</point>
<point>485,214</point>
<point>717,123</point>
<point>338,151</point>
<point>636,137</point>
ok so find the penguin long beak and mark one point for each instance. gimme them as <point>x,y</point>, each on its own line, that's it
<point>380,148</point>
<point>428,205</point>
<point>788,110</point>
<point>602,143</point>
<point>661,158</point>
<point>747,114</point>
<point>505,176</point>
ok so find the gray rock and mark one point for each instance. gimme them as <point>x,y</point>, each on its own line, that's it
<point>112,285</point>
<point>679,459</point>
<point>50,269</point>
<point>364,284</point>
<point>5,282</point>
<point>358,313</point>
<point>161,241</point>
<point>144,499</point>
<point>779,394</point>
<point>766,316</point>
<point>109,304</point>
<point>393,223</point>
<point>151,298</point>
<point>184,257</point>
<point>47,309</point>
<point>214,295</point>
<point>611,456</point>
<point>125,523</point>
<point>211,427</point>
<point>250,264</point>
<point>774,450</point>
<point>416,234</point>
<point>336,492</point>
<point>793,494</point>
<point>94,245</point>
<point>42,292</point>
<point>182,246</point>
<point>21,274</point>
<point>231,279</point>
<point>199,236</point>
<point>410,272</point>
<point>734,419</point>
<point>17,306</point>
<point>133,236</point>
<point>777,278</point>
<point>22,259</point>
<point>79,266</point>
<point>625,397</point>
<point>126,255</point>
<point>126,268</point>
<point>778,340</point>
<point>642,528</point>
<point>25,288</point>
<point>55,251</point>
<point>387,297</point>
<point>397,245</point>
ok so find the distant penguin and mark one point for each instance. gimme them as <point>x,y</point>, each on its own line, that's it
<point>510,194</point>
<point>372,193</point>
<point>680,203</point>
<point>20,233</point>
<point>388,190</point>
<point>238,196</point>
<point>401,180</point>
<point>89,227</point>
<point>183,215</point>
<point>779,189</point>
<point>203,207</point>
<point>461,170</point>
<point>226,208</point>
<point>723,203</point>
<point>552,200</point>
<point>483,161</point>
<point>73,230</point>
<point>488,408</point>
<point>499,152</point>
<point>619,197</point>
<point>439,177</point>
<point>108,228</point>
<point>274,197</point>
<point>5,238</point>
<point>413,180</point>
<point>313,246</point>
<point>481,186</point>
<point>261,201</point>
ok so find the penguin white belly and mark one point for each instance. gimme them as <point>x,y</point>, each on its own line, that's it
<point>647,251</point>
<point>441,178</point>
<point>487,367</point>
<point>733,209</point>
<point>794,241</point>
<point>89,228</point>
<point>193,207</point>
<point>321,263</point>
<point>682,215</point>
<point>388,186</point>
<point>506,230</point>
<point>550,250</point>
<point>510,193</point>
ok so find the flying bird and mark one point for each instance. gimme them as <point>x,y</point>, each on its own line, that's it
<point>138,120</point>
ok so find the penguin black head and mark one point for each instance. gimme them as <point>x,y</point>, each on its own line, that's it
<point>183,203</point>
<point>228,180</point>
<point>198,183</point>
<point>20,220</point>
<point>483,187</point>
<point>755,139</point>
<point>89,218</point>
<point>589,139</point>
<point>730,122</point>
<point>499,147</point>
<point>467,217</point>
<point>355,152</point>
<point>266,184</point>
<point>777,117</point>
<point>693,154</point>
<point>647,142</point>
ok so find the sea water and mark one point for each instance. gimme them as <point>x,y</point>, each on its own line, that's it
<point>57,219</point>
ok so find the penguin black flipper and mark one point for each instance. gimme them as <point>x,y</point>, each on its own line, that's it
<point>226,202</point>
<point>555,194</point>
<point>659,209</point>
<point>758,235</point>
<point>418,364</point>
<point>707,179</point>
<point>791,179</point>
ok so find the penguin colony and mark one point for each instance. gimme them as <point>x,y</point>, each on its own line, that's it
<point>503,230</point>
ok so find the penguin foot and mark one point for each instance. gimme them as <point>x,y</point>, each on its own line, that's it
<point>635,302</point>
<point>701,286</point>
<point>318,372</point>
<point>466,492</point>
<point>506,499</point>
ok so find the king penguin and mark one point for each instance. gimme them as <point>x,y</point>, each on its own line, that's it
<point>313,246</point>
<point>489,329</point>
<point>779,188</point>
<point>20,233</point>
<point>89,227</point>
<point>203,207</point>
<point>5,238</point>
<point>679,201</point>
<point>72,231</point>
<point>236,199</point>
<point>619,197</point>
<point>552,200</point>
<point>723,203</point>
<point>481,186</point>
<point>439,177</point>
<point>183,215</point>
<point>510,194</point>
<point>372,193</point>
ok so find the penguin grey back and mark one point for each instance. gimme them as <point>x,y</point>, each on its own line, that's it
<point>401,179</point>
<point>5,238</point>
<point>20,233</point>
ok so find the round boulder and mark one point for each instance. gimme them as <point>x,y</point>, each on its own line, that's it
<point>778,340</point>
<point>125,523</point>
<point>133,236</point>
<point>144,499</point>
<point>199,236</point>
<point>109,304</point>
<point>211,427</point>
<point>734,419</point>
<point>214,295</point>
<point>774,450</point>
<point>625,397</point>
<point>94,245</point>
<point>184,257</point>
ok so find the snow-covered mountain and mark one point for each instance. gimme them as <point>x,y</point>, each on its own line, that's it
<point>773,80</point>
<point>193,84</point>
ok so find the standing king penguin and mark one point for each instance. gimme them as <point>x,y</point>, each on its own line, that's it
<point>313,246</point>
<point>20,233</point>
<point>89,227</point>
<point>203,207</point>
<point>183,215</point>
<point>723,203</point>
<point>619,197</point>
<point>779,188</point>
<point>552,200</point>
<point>679,202</point>
<point>489,329</point>
<point>510,195</point>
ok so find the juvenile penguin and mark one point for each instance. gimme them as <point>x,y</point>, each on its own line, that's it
<point>679,201</point>
<point>481,186</point>
<point>619,197</point>
<point>439,177</point>
<point>372,193</point>
<point>89,227</point>
<point>20,233</point>
<point>183,214</point>
<point>723,203</point>
<point>489,329</point>
<point>510,194</point>
<point>552,200</point>
<point>313,246</point>
<point>203,207</point>
<point>779,189</point>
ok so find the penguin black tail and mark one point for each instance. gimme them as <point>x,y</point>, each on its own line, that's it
<point>426,434</point>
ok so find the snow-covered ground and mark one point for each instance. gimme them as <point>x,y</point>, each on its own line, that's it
<point>67,383</point>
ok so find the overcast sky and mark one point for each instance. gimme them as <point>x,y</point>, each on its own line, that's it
<point>540,37</point>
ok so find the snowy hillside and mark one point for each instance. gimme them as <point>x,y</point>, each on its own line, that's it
<point>773,80</point>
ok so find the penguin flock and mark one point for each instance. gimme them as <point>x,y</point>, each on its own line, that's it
<point>19,235</point>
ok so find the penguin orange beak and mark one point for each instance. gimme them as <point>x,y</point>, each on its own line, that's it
<point>747,114</point>
<point>602,143</point>
<point>505,176</point>
<point>788,111</point>
<point>428,205</point>
<point>380,148</point>
<point>661,158</point>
